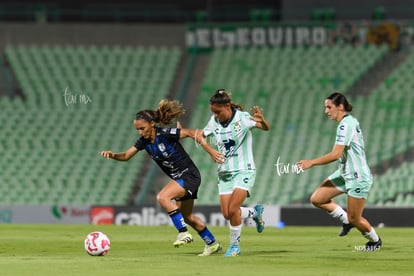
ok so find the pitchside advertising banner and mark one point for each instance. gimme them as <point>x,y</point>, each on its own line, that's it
<point>154,215</point>
<point>44,214</point>
<point>207,37</point>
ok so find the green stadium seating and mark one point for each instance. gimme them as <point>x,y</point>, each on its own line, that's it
<point>290,84</point>
<point>58,141</point>
<point>61,142</point>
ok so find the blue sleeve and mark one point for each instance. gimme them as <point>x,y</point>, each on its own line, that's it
<point>139,144</point>
<point>172,134</point>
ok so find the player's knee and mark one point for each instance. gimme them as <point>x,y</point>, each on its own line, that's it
<point>162,199</point>
<point>191,220</point>
<point>232,212</point>
<point>315,200</point>
<point>188,219</point>
<point>353,219</point>
<point>226,215</point>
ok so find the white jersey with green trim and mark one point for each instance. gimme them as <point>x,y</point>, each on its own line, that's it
<point>234,141</point>
<point>353,162</point>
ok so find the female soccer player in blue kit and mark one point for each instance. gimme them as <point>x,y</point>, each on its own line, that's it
<point>162,144</point>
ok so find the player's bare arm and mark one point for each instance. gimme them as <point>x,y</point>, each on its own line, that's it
<point>122,156</point>
<point>332,156</point>
<point>257,116</point>
<point>198,136</point>
<point>201,140</point>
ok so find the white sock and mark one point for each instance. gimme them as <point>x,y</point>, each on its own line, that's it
<point>371,235</point>
<point>246,212</point>
<point>235,232</point>
<point>339,214</point>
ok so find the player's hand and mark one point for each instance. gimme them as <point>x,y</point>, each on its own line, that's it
<point>217,156</point>
<point>305,164</point>
<point>257,114</point>
<point>107,154</point>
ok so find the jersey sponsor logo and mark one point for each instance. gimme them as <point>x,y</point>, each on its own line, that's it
<point>168,164</point>
<point>221,130</point>
<point>342,127</point>
<point>229,146</point>
<point>358,129</point>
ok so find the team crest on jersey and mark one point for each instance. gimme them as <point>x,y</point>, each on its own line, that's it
<point>162,148</point>
<point>237,127</point>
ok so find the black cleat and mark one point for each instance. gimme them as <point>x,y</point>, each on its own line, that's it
<point>373,246</point>
<point>345,229</point>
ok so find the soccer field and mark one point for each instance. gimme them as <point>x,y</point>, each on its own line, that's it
<point>58,250</point>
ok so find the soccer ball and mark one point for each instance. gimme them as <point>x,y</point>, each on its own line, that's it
<point>97,244</point>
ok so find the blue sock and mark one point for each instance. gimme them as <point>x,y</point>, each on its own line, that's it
<point>207,236</point>
<point>178,220</point>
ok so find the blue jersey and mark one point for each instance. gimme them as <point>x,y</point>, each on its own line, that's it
<point>167,152</point>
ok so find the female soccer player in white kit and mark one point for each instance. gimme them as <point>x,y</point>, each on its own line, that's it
<point>353,176</point>
<point>231,128</point>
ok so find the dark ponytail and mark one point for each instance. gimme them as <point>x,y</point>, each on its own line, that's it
<point>166,112</point>
<point>338,98</point>
<point>222,97</point>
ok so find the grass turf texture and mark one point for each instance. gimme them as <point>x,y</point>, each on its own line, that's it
<point>58,250</point>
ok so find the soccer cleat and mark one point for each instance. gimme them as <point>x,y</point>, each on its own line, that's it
<point>233,250</point>
<point>258,217</point>
<point>373,246</point>
<point>183,238</point>
<point>210,249</point>
<point>346,227</point>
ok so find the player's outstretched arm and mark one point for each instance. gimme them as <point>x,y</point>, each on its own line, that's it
<point>334,155</point>
<point>215,155</point>
<point>198,136</point>
<point>122,156</point>
<point>257,116</point>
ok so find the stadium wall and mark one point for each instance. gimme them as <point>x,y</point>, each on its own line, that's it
<point>88,34</point>
<point>348,10</point>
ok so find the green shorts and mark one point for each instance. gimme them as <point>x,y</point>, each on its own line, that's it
<point>351,188</point>
<point>228,181</point>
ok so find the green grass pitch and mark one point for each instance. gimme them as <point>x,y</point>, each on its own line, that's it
<point>58,250</point>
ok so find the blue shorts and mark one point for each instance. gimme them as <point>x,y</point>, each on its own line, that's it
<point>228,181</point>
<point>190,181</point>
